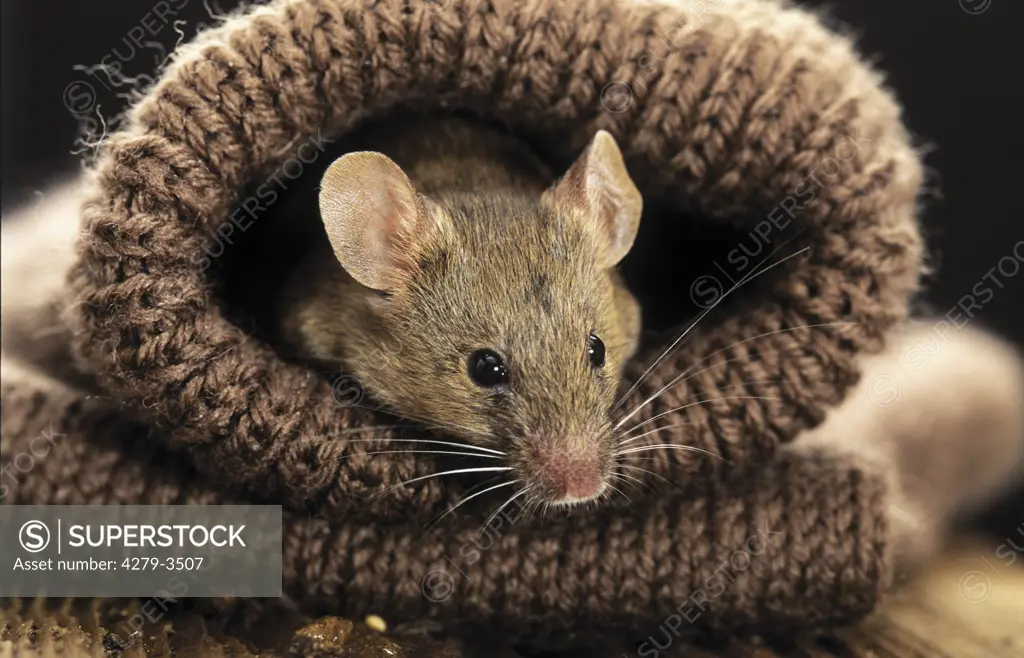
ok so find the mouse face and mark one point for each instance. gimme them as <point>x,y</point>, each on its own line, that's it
<point>497,317</point>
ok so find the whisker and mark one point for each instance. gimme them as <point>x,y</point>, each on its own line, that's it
<point>471,490</point>
<point>619,491</point>
<point>466,446</point>
<point>454,472</point>
<point>649,432</point>
<point>687,406</point>
<point>687,376</point>
<point>531,504</point>
<point>650,472</point>
<point>503,505</point>
<point>465,500</point>
<point>683,376</point>
<point>423,452</point>
<point>448,426</point>
<point>381,409</point>
<point>634,479</point>
<point>433,424</point>
<point>366,428</point>
<point>480,485</point>
<point>451,427</point>
<point>671,446</point>
<point>626,433</point>
<point>750,277</point>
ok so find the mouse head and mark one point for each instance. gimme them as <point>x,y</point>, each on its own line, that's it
<point>496,315</point>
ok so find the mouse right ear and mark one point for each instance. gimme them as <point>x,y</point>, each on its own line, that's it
<point>371,213</point>
<point>598,189</point>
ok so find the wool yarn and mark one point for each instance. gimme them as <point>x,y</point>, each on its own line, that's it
<point>775,553</point>
<point>810,541</point>
<point>722,114</point>
<point>752,105</point>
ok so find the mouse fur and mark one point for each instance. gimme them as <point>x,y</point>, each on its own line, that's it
<point>502,257</point>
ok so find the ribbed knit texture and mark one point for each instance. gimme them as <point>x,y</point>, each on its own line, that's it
<point>803,544</point>
<point>745,109</point>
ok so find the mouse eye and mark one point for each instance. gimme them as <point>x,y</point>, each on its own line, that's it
<point>487,368</point>
<point>595,350</point>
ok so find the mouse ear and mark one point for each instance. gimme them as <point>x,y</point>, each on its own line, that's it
<point>371,213</point>
<point>597,188</point>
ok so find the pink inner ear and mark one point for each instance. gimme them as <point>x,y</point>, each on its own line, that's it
<point>379,233</point>
<point>369,209</point>
<point>597,190</point>
<point>605,202</point>
<point>389,235</point>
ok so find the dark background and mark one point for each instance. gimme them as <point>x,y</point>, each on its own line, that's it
<point>957,73</point>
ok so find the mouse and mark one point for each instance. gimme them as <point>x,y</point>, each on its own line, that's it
<point>468,288</point>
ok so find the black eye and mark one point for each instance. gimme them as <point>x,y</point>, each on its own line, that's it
<point>595,350</point>
<point>487,368</point>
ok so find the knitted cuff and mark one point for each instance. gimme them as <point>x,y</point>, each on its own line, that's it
<point>735,114</point>
<point>804,543</point>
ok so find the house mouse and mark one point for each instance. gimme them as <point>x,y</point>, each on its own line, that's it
<point>468,289</point>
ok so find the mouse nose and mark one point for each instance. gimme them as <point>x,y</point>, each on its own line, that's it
<point>570,478</point>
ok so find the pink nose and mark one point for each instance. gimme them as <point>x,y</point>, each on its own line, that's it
<point>570,478</point>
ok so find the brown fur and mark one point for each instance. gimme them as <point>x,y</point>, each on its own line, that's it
<point>511,271</point>
<point>739,110</point>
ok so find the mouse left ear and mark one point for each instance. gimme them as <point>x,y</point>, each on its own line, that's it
<point>598,190</point>
<point>375,220</point>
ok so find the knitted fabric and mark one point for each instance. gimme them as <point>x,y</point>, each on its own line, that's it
<point>808,542</point>
<point>776,553</point>
<point>743,109</point>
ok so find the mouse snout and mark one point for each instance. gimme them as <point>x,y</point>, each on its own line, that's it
<point>567,475</point>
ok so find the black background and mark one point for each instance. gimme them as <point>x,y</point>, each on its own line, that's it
<point>958,75</point>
